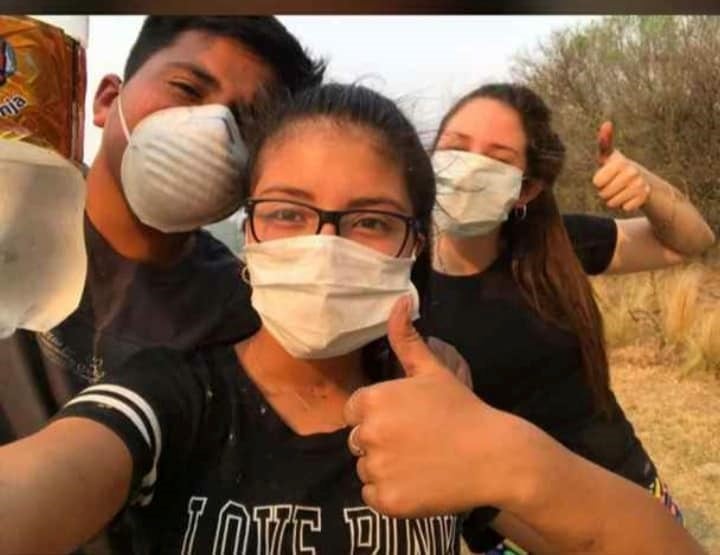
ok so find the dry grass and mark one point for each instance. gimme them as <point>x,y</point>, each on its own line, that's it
<point>678,300</point>
<point>628,307</point>
<point>663,331</point>
<point>677,419</point>
<point>709,343</point>
<point>679,307</point>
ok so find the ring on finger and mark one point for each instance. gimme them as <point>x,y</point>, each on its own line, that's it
<point>355,449</point>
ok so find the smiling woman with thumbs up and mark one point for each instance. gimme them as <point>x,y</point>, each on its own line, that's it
<point>509,287</point>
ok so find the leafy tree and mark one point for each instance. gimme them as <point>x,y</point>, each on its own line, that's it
<point>657,78</point>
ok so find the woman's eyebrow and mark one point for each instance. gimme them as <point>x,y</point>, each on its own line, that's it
<point>288,190</point>
<point>355,204</point>
<point>466,137</point>
<point>370,202</point>
<point>456,134</point>
<point>500,146</point>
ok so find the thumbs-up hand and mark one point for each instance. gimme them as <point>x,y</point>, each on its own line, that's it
<point>621,182</point>
<point>415,437</point>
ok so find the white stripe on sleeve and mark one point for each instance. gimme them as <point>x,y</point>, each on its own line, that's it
<point>95,394</point>
<point>142,404</point>
<point>118,405</point>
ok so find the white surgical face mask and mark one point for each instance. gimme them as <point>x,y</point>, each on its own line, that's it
<point>322,296</point>
<point>42,245</point>
<point>181,168</point>
<point>475,193</point>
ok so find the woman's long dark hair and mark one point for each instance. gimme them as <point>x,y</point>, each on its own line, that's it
<point>544,263</point>
<point>382,120</point>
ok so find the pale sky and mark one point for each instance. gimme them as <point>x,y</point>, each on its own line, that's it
<point>422,61</point>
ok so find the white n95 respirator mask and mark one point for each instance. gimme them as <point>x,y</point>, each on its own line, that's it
<point>182,166</point>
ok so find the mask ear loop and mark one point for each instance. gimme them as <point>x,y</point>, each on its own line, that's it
<point>123,123</point>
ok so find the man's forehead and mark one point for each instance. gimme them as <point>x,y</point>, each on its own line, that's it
<point>218,56</point>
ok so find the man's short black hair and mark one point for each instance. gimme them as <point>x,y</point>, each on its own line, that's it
<point>265,36</point>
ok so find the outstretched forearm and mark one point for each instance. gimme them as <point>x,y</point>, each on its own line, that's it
<point>60,486</point>
<point>674,219</point>
<point>672,228</point>
<point>578,507</point>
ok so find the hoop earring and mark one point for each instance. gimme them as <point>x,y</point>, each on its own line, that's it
<point>245,275</point>
<point>521,212</point>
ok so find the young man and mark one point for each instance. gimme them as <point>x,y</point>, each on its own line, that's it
<point>155,278</point>
<point>147,286</point>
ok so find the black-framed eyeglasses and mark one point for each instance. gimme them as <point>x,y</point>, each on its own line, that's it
<point>386,232</point>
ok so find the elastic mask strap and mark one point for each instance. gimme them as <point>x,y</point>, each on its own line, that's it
<point>123,124</point>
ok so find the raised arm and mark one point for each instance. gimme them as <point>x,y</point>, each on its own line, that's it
<point>672,228</point>
<point>428,446</point>
<point>60,486</point>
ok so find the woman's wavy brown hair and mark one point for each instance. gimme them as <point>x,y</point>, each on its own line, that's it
<point>544,263</point>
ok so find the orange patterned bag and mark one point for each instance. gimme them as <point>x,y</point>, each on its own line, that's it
<point>42,86</point>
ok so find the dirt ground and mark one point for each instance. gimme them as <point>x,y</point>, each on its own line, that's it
<point>678,420</point>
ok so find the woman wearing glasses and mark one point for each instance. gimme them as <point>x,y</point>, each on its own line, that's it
<point>244,448</point>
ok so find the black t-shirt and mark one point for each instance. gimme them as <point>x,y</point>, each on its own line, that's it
<point>216,470</point>
<point>528,366</point>
<point>127,306</point>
